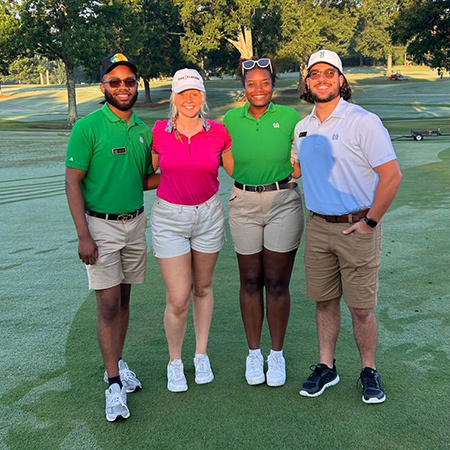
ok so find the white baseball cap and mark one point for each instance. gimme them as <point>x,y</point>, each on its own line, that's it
<point>187,79</point>
<point>326,56</point>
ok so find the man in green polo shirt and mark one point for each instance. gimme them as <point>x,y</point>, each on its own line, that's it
<point>108,166</point>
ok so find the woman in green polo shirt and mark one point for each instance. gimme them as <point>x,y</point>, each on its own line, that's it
<point>266,213</point>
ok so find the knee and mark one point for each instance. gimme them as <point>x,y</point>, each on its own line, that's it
<point>202,290</point>
<point>363,315</point>
<point>178,307</point>
<point>275,287</point>
<point>252,285</point>
<point>109,311</point>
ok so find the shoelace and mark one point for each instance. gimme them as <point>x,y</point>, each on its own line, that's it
<point>201,365</point>
<point>114,399</point>
<point>177,371</point>
<point>317,371</point>
<point>274,363</point>
<point>127,374</point>
<point>254,362</point>
<point>371,381</point>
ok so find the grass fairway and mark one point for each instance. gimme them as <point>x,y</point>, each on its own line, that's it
<point>52,391</point>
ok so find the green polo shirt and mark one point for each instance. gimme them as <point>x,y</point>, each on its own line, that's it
<point>261,148</point>
<point>116,156</point>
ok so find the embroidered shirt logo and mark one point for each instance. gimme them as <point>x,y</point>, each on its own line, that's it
<point>335,137</point>
<point>276,125</point>
<point>141,139</point>
<point>71,158</point>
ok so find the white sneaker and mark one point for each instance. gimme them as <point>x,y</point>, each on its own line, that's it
<point>128,378</point>
<point>254,372</point>
<point>176,381</point>
<point>116,403</point>
<point>276,373</point>
<point>203,372</point>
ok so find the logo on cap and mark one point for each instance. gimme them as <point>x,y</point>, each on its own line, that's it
<point>118,57</point>
<point>322,54</point>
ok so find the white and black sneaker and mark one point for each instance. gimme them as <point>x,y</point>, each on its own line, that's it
<point>127,377</point>
<point>321,378</point>
<point>373,392</point>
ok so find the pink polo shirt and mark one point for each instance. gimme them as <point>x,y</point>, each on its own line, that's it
<point>189,169</point>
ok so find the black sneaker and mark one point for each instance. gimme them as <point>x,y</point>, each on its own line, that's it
<point>321,378</point>
<point>373,392</point>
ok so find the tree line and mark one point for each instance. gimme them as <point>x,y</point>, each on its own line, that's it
<point>165,35</point>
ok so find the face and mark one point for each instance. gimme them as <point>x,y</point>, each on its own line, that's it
<point>258,87</point>
<point>122,97</point>
<point>323,89</point>
<point>189,102</point>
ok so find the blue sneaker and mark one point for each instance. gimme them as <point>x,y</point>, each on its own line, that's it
<point>321,378</point>
<point>373,392</point>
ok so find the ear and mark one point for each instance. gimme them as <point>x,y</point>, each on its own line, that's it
<point>341,80</point>
<point>102,87</point>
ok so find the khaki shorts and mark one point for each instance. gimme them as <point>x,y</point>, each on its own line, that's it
<point>177,229</point>
<point>338,264</point>
<point>122,252</point>
<point>272,220</point>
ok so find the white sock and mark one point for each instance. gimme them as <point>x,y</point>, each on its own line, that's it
<point>276,353</point>
<point>256,352</point>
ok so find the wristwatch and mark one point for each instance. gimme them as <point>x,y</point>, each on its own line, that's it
<point>372,223</point>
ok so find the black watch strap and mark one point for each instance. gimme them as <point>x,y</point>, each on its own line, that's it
<point>371,222</point>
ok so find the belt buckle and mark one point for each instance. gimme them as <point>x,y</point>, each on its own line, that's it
<point>260,188</point>
<point>125,217</point>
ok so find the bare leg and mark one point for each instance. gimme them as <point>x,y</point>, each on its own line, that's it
<point>277,275</point>
<point>109,327</point>
<point>202,269</point>
<point>251,296</point>
<point>176,273</point>
<point>365,330</point>
<point>328,318</point>
<point>124,314</point>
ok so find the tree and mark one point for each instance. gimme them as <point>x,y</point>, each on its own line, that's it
<point>308,25</point>
<point>373,36</point>
<point>59,30</point>
<point>9,25</point>
<point>425,26</point>
<point>208,22</point>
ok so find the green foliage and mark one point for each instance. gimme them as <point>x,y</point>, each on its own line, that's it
<point>425,26</point>
<point>9,25</point>
<point>375,17</point>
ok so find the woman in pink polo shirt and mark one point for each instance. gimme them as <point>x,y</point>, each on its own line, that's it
<point>187,219</point>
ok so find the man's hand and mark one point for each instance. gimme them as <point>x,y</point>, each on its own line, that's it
<point>87,250</point>
<point>360,227</point>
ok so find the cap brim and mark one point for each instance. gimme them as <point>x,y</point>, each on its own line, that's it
<point>179,89</point>
<point>122,63</point>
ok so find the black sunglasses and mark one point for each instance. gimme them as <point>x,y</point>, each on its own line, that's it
<point>262,63</point>
<point>116,82</point>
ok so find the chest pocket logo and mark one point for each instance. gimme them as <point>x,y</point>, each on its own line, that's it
<point>276,125</point>
<point>141,139</point>
<point>335,137</point>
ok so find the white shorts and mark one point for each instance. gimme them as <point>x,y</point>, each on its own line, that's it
<point>122,252</point>
<point>178,229</point>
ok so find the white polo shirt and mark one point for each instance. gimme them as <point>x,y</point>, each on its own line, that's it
<point>337,158</point>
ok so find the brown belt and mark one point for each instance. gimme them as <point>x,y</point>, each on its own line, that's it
<point>345,218</point>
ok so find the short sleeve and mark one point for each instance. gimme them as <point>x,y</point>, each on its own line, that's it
<point>80,146</point>
<point>226,140</point>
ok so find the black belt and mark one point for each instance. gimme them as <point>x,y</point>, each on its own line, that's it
<point>282,184</point>
<point>123,217</point>
<point>345,218</point>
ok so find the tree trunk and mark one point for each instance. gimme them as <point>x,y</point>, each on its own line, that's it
<point>148,95</point>
<point>361,60</point>
<point>41,78</point>
<point>244,43</point>
<point>389,65</point>
<point>47,74</point>
<point>303,71</point>
<point>72,115</point>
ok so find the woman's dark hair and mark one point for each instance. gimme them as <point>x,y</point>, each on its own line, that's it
<point>345,90</point>
<point>273,72</point>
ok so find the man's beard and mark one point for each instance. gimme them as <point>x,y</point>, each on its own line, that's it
<point>328,98</point>
<point>122,106</point>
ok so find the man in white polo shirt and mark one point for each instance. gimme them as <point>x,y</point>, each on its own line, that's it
<point>350,177</point>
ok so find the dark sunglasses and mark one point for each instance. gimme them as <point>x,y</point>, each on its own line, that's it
<point>116,82</point>
<point>262,63</point>
<point>315,74</point>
